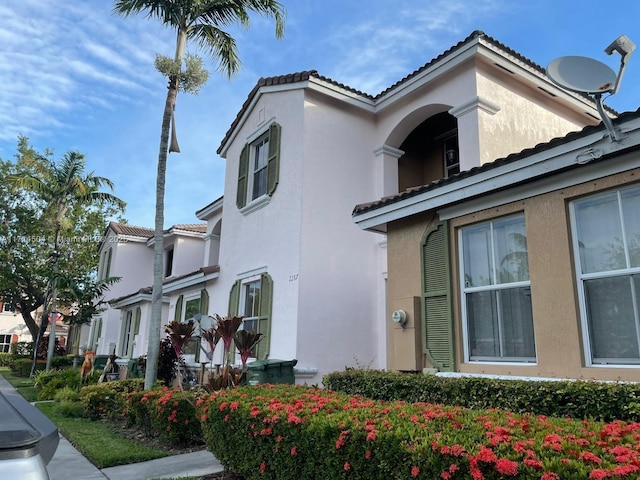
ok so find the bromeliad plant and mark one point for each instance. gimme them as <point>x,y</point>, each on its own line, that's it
<point>180,334</point>
<point>227,330</point>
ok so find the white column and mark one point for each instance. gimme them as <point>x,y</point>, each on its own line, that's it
<point>386,170</point>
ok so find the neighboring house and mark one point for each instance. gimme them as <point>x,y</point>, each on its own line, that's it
<point>304,149</point>
<point>12,328</point>
<point>127,252</point>
<point>526,266</point>
<point>301,152</point>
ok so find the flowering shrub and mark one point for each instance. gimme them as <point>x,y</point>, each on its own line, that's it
<point>580,399</point>
<point>108,399</point>
<point>174,417</point>
<point>284,432</point>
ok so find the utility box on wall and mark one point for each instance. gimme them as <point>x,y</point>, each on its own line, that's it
<point>271,371</point>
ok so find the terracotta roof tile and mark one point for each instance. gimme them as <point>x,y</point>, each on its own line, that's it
<point>130,230</point>
<point>190,227</point>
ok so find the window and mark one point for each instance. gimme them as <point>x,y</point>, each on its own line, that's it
<point>606,241</point>
<point>187,306</point>
<point>129,331</point>
<point>7,307</point>
<point>251,298</point>
<point>496,305</point>
<point>95,334</point>
<point>168,262</point>
<point>5,343</point>
<point>258,168</point>
<point>106,263</point>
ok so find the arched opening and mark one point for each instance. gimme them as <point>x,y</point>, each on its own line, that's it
<point>430,152</point>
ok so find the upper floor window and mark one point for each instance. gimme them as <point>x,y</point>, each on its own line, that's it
<point>168,262</point>
<point>106,263</point>
<point>606,242</point>
<point>5,343</point>
<point>259,167</point>
<point>496,291</point>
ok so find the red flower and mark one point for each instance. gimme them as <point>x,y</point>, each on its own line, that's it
<point>486,455</point>
<point>535,464</point>
<point>367,454</point>
<point>294,451</point>
<point>263,467</point>
<point>590,457</point>
<point>507,467</point>
<point>598,474</point>
<point>347,467</point>
<point>550,476</point>
<point>415,471</point>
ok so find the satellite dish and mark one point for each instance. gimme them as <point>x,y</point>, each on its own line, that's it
<point>582,75</point>
<point>586,75</point>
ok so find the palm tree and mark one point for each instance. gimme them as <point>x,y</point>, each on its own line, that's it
<point>61,187</point>
<point>202,21</point>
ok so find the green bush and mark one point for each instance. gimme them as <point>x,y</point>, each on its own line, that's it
<point>579,399</point>
<point>108,399</point>
<point>62,361</point>
<point>48,383</point>
<point>67,394</point>
<point>22,366</point>
<point>174,417</point>
<point>283,432</point>
<point>6,359</point>
<point>70,410</point>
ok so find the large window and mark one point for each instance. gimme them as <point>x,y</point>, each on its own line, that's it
<point>606,240</point>
<point>259,167</point>
<point>188,307</point>
<point>496,306</point>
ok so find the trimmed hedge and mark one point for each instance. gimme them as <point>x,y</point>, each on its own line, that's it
<point>108,399</point>
<point>579,399</point>
<point>22,366</point>
<point>282,432</point>
<point>6,359</point>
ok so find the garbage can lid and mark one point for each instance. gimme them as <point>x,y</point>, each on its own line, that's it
<point>271,362</point>
<point>16,430</point>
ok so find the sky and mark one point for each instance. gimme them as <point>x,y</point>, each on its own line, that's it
<point>74,77</point>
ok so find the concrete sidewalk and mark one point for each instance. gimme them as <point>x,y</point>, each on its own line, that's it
<point>69,464</point>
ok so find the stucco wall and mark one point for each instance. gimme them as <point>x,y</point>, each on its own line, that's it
<point>554,298</point>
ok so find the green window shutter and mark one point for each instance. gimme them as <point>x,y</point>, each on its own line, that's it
<point>177,314</point>
<point>264,319</point>
<point>107,270</point>
<point>123,333</point>
<point>135,329</point>
<point>243,178</point>
<point>273,162</point>
<point>234,299</point>
<point>97,331</point>
<point>436,298</point>
<point>204,302</point>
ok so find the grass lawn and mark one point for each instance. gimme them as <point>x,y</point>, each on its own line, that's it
<point>98,442</point>
<point>23,385</point>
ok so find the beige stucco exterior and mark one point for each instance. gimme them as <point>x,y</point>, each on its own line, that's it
<point>557,324</point>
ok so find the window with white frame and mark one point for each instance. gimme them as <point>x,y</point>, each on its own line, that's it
<point>5,343</point>
<point>251,298</point>
<point>106,263</point>
<point>606,242</point>
<point>191,308</point>
<point>168,262</point>
<point>129,330</point>
<point>259,167</point>
<point>496,291</point>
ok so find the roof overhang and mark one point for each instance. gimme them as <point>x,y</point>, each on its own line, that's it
<point>487,187</point>
<point>188,281</point>
<point>134,299</point>
<point>210,210</point>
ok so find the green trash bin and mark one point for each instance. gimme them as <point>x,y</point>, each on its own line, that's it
<point>271,371</point>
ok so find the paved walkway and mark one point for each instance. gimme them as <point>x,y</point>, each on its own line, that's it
<point>69,464</point>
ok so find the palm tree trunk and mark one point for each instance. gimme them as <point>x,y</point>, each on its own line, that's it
<point>153,346</point>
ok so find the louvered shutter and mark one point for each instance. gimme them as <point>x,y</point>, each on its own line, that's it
<point>436,298</point>
<point>135,329</point>
<point>204,302</point>
<point>97,332</point>
<point>243,171</point>
<point>177,314</point>
<point>273,162</point>
<point>234,299</point>
<point>264,318</point>
<point>123,334</point>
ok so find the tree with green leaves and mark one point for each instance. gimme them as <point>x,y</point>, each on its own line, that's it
<point>203,22</point>
<point>56,214</point>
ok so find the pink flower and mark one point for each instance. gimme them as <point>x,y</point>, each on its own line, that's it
<point>415,471</point>
<point>550,476</point>
<point>347,467</point>
<point>294,451</point>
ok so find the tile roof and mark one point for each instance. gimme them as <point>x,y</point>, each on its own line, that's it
<point>514,157</point>
<point>130,230</point>
<point>190,227</point>
<point>305,75</point>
